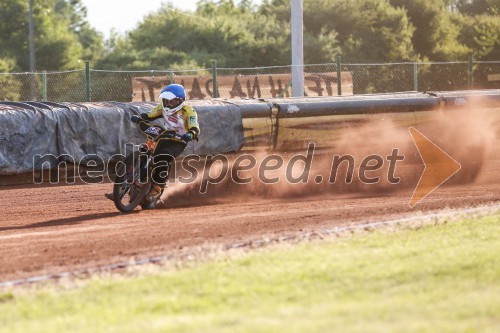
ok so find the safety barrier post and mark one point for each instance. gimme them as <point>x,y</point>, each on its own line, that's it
<point>214,78</point>
<point>471,77</point>
<point>44,86</point>
<point>415,76</point>
<point>171,76</point>
<point>87,81</point>
<point>339,77</point>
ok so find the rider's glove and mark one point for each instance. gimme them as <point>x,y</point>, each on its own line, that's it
<point>187,137</point>
<point>135,119</point>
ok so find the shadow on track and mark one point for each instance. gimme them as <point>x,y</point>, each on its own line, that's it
<point>63,221</point>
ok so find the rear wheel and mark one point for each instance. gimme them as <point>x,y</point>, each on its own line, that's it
<point>128,190</point>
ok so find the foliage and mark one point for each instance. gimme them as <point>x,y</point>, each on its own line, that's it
<point>478,7</point>
<point>241,34</point>
<point>435,38</point>
<point>234,36</point>
<point>91,40</point>
<point>63,37</point>
<point>481,34</point>
<point>9,85</point>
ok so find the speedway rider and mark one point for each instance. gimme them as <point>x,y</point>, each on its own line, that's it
<point>176,116</point>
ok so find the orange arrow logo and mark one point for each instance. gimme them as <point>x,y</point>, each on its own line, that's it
<point>439,167</point>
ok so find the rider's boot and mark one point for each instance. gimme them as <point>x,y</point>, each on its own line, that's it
<point>152,197</point>
<point>154,192</point>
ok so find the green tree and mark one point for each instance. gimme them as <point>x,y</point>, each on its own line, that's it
<point>13,32</point>
<point>479,24</point>
<point>476,7</point>
<point>91,40</point>
<point>481,34</point>
<point>236,36</point>
<point>63,37</point>
<point>362,30</point>
<point>9,85</point>
<point>435,37</point>
<point>373,31</point>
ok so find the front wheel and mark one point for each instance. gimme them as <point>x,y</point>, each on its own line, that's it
<point>128,190</point>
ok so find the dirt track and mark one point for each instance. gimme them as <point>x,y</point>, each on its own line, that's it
<point>49,229</point>
<point>53,229</point>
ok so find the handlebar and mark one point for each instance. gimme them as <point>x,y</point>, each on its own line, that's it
<point>168,134</point>
<point>171,135</point>
<point>158,132</point>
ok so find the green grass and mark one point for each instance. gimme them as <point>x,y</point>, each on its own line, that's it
<point>442,278</point>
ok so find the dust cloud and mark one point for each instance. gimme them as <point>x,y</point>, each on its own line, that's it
<point>368,168</point>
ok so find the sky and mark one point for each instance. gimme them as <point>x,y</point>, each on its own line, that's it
<point>124,15</point>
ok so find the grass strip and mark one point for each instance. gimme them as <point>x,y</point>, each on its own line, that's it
<point>443,278</point>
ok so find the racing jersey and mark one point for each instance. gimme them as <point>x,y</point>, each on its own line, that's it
<point>184,120</point>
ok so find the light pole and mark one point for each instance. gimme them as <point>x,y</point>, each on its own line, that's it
<point>32,51</point>
<point>297,49</point>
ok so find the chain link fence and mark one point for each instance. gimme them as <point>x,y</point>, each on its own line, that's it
<point>260,82</point>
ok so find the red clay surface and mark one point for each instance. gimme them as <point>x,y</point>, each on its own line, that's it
<point>50,229</point>
<point>53,229</point>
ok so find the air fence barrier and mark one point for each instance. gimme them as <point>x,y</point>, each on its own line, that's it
<point>95,133</point>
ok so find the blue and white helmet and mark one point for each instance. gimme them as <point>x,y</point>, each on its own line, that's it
<point>172,98</point>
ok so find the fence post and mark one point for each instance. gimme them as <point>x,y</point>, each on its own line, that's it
<point>415,76</point>
<point>339,76</point>
<point>471,77</point>
<point>171,76</point>
<point>214,79</point>
<point>44,86</point>
<point>87,81</point>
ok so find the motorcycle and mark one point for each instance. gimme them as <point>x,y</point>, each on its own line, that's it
<point>133,181</point>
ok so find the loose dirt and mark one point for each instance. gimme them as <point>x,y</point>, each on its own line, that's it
<point>54,228</point>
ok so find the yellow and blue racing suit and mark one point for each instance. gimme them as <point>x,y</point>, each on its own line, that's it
<point>183,121</point>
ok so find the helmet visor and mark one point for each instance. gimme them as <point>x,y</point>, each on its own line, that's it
<point>171,103</point>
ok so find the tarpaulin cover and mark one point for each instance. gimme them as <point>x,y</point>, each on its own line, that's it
<point>77,132</point>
